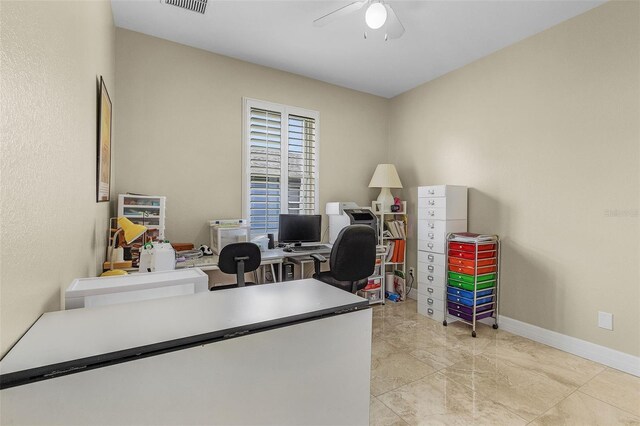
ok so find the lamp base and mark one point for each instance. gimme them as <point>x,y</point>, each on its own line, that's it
<point>113,272</point>
<point>385,199</point>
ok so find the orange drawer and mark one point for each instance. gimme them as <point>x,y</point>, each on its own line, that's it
<point>465,262</point>
<point>469,255</point>
<point>470,270</point>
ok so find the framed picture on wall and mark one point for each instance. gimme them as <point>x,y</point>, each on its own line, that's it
<point>103,186</point>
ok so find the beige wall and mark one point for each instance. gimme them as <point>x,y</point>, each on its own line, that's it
<point>52,229</point>
<point>546,134</point>
<point>180,130</point>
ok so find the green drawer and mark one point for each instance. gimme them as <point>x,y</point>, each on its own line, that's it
<point>469,286</point>
<point>470,278</point>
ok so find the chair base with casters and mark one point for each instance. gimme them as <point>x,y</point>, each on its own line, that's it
<point>238,258</point>
<point>352,260</point>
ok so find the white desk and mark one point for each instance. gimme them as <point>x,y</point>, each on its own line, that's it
<point>296,352</point>
<point>270,257</point>
<point>210,263</point>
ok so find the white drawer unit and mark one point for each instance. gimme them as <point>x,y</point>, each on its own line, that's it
<point>442,209</point>
<point>431,259</point>
<point>431,290</point>
<point>451,207</point>
<point>434,229</point>
<point>433,311</point>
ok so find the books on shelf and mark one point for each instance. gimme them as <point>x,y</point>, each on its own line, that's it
<point>390,251</point>
<point>396,251</point>
<point>394,229</point>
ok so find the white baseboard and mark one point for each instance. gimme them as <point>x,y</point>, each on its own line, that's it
<point>591,351</point>
<point>609,357</point>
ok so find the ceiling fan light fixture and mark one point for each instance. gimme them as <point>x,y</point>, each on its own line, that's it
<point>376,15</point>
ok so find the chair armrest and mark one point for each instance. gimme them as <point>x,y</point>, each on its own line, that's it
<point>317,260</point>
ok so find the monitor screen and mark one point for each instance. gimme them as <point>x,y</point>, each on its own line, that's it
<point>300,228</point>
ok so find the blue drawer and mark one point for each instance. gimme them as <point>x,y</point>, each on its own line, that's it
<point>468,302</point>
<point>468,294</point>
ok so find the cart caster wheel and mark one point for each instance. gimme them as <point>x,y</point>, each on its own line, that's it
<point>444,323</point>
<point>473,334</point>
<point>495,326</point>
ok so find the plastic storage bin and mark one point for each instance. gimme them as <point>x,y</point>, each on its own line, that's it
<point>471,263</point>
<point>224,235</point>
<point>469,286</point>
<point>469,309</point>
<point>469,302</point>
<point>469,316</point>
<point>470,278</point>
<point>468,294</point>
<point>471,270</point>
<point>471,247</point>
<point>472,256</point>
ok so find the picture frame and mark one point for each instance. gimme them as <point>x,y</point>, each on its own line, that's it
<point>103,168</point>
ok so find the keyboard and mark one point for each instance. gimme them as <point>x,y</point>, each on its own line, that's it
<point>304,249</point>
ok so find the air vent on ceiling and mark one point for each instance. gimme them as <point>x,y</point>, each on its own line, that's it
<point>193,5</point>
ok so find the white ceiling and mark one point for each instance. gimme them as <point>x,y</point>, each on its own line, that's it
<point>440,35</point>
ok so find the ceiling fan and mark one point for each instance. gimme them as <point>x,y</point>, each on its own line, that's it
<point>378,14</point>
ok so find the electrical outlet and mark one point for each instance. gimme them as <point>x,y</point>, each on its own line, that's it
<point>605,320</point>
<point>412,272</point>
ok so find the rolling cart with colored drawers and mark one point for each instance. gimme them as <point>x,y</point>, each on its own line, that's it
<point>473,278</point>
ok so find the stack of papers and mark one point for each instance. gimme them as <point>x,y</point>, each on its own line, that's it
<point>470,237</point>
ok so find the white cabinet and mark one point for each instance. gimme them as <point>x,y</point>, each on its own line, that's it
<point>442,209</point>
<point>147,210</point>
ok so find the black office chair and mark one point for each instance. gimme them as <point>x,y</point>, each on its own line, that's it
<point>353,259</point>
<point>238,258</point>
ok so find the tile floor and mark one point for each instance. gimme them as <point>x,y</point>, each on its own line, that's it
<point>424,373</point>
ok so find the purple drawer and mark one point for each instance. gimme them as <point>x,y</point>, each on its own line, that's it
<point>468,309</point>
<point>469,317</point>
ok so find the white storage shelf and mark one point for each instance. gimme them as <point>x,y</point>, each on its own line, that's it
<point>383,217</point>
<point>147,210</point>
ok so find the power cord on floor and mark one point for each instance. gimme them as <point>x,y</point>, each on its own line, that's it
<point>411,284</point>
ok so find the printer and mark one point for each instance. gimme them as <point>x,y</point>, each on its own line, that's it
<point>343,214</point>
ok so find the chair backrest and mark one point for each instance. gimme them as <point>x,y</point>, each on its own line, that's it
<point>353,256</point>
<point>232,253</point>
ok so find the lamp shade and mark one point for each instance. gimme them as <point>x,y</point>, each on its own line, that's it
<point>131,230</point>
<point>385,176</point>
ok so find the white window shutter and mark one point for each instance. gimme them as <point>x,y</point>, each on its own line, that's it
<point>265,159</point>
<point>281,164</point>
<point>301,165</point>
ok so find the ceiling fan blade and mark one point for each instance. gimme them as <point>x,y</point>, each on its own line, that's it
<point>394,28</point>
<point>330,17</point>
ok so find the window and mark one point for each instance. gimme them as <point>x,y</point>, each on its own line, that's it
<point>280,154</point>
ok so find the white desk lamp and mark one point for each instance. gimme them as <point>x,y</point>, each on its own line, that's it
<point>131,232</point>
<point>385,177</point>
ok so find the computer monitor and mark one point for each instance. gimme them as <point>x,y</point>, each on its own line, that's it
<point>300,228</point>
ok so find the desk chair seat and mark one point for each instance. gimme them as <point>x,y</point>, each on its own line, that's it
<point>238,258</point>
<point>352,260</point>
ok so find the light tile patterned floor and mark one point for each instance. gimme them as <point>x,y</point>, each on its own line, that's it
<point>424,373</point>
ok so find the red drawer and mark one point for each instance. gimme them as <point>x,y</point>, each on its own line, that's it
<point>471,271</point>
<point>471,255</point>
<point>471,263</point>
<point>454,245</point>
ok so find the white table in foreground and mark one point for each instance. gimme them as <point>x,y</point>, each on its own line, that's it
<point>297,352</point>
